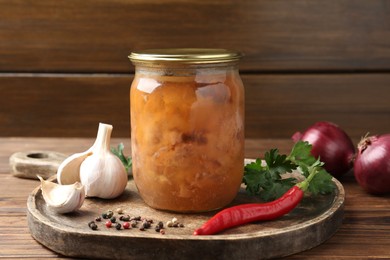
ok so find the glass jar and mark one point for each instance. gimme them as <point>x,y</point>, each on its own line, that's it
<point>187,128</point>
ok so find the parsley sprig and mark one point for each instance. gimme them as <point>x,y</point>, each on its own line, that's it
<point>267,178</point>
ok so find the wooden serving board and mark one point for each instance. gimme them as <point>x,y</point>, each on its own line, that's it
<point>311,223</point>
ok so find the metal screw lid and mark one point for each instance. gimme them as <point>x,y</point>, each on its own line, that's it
<point>185,55</point>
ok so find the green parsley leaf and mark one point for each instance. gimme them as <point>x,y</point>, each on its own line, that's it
<point>301,156</point>
<point>127,161</point>
<point>321,183</point>
<point>254,176</point>
<point>277,164</point>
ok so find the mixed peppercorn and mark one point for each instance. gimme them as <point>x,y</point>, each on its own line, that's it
<point>131,222</point>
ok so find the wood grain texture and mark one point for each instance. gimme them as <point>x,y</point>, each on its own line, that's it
<point>279,105</point>
<point>65,105</point>
<point>364,234</point>
<point>276,105</point>
<point>283,35</point>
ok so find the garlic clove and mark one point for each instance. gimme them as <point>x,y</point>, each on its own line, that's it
<point>69,170</point>
<point>62,198</point>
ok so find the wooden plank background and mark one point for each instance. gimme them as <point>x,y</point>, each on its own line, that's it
<point>64,66</point>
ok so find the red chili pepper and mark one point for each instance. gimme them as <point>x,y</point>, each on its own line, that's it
<point>246,213</point>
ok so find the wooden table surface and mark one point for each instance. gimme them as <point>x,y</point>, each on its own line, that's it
<point>364,234</point>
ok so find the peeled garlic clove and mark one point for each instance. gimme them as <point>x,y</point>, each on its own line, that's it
<point>62,198</point>
<point>69,170</point>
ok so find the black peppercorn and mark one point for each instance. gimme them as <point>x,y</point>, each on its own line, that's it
<point>146,224</point>
<point>113,219</point>
<point>160,224</point>
<point>118,226</point>
<point>98,219</point>
<point>136,218</point>
<point>124,218</point>
<point>92,225</point>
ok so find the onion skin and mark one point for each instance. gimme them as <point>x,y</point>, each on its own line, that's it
<point>372,164</point>
<point>331,144</point>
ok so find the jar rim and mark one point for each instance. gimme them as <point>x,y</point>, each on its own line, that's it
<point>185,55</point>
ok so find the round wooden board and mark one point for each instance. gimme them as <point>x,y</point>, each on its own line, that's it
<point>311,223</point>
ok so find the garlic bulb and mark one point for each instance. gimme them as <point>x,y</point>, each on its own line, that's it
<point>98,169</point>
<point>62,198</point>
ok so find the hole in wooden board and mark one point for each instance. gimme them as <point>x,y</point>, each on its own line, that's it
<point>38,155</point>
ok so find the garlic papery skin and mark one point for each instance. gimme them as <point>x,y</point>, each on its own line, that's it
<point>102,173</point>
<point>69,170</point>
<point>62,198</point>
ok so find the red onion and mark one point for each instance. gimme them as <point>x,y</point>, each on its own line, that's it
<point>331,144</point>
<point>372,164</point>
